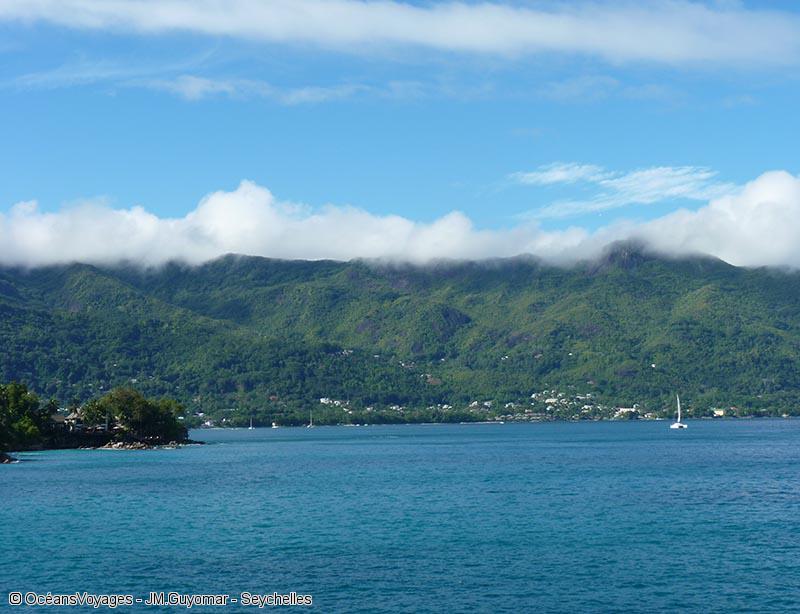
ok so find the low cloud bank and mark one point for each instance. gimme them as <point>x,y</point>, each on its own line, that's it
<point>759,225</point>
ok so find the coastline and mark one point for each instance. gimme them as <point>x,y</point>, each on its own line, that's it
<point>6,458</point>
<point>499,421</point>
<point>141,445</point>
<point>138,445</point>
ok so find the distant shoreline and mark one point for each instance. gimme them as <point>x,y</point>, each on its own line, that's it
<point>6,458</point>
<point>504,421</point>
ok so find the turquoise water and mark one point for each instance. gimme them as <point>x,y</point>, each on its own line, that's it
<point>492,518</point>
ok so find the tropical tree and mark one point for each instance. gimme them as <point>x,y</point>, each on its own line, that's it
<point>24,420</point>
<point>138,416</point>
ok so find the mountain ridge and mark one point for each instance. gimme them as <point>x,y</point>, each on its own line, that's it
<point>241,330</point>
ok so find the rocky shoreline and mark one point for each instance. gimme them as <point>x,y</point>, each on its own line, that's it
<point>141,445</point>
<point>131,444</point>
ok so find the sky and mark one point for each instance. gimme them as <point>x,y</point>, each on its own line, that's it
<point>186,129</point>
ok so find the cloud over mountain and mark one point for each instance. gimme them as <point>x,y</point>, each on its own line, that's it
<point>758,225</point>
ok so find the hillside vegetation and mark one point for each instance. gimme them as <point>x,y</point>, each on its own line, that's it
<point>270,338</point>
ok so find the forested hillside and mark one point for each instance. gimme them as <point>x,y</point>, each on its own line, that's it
<point>273,337</point>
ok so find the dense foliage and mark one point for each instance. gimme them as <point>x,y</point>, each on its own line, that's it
<point>136,416</point>
<point>256,338</point>
<point>24,420</point>
<point>122,414</point>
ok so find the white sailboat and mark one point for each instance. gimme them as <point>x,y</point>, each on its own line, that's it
<point>251,427</point>
<point>678,424</point>
<point>310,424</point>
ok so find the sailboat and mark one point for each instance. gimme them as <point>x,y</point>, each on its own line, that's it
<point>251,427</point>
<point>310,424</point>
<point>678,424</point>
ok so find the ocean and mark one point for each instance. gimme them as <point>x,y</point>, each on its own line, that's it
<point>552,517</point>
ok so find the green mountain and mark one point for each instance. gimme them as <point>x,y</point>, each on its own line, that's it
<point>271,337</point>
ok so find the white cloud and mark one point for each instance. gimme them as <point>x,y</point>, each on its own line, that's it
<point>561,172</point>
<point>760,225</point>
<point>192,87</point>
<point>586,88</point>
<point>612,190</point>
<point>71,75</point>
<point>88,72</point>
<point>664,31</point>
<point>248,220</point>
<point>594,88</point>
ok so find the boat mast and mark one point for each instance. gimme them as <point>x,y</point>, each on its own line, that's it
<point>679,407</point>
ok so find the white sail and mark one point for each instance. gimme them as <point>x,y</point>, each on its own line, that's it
<point>678,424</point>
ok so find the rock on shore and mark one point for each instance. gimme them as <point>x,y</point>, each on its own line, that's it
<point>141,445</point>
<point>126,445</point>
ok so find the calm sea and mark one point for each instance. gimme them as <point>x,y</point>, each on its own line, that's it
<point>591,517</point>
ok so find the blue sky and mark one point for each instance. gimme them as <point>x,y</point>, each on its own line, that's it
<point>434,108</point>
